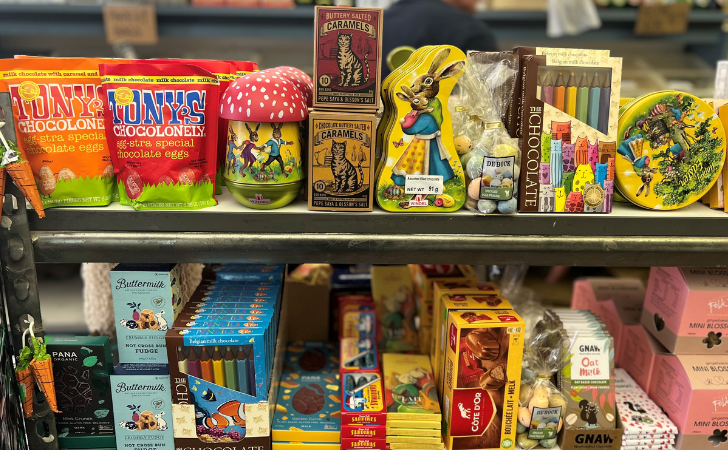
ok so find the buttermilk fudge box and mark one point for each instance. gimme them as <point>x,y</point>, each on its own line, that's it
<point>693,392</point>
<point>686,309</point>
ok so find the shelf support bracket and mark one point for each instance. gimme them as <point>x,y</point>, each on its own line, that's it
<point>23,307</point>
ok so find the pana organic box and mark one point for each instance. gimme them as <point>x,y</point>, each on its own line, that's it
<point>482,379</point>
<point>341,161</point>
<point>685,309</point>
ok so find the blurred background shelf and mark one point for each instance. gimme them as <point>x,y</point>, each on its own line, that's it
<point>284,37</point>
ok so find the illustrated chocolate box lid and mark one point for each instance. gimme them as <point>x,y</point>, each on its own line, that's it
<point>410,388</point>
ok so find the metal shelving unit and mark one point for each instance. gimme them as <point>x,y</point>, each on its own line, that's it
<point>704,34</point>
<point>228,232</point>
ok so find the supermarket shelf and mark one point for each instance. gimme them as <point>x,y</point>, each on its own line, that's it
<point>228,232</point>
<point>297,23</point>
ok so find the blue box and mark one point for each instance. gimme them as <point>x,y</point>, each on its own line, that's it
<point>147,299</point>
<point>142,406</point>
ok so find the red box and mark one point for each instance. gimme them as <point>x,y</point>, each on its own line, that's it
<point>362,399</point>
<point>363,431</point>
<point>352,444</point>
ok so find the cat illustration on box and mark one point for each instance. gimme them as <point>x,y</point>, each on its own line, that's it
<point>345,179</point>
<point>350,66</point>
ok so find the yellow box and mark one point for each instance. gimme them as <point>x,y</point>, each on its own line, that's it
<point>483,376</point>
<point>461,273</point>
<point>413,440</point>
<point>440,289</point>
<point>456,302</point>
<point>413,432</point>
<point>400,446</point>
<point>432,425</point>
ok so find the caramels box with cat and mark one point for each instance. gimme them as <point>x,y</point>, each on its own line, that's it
<point>348,58</point>
<point>341,161</point>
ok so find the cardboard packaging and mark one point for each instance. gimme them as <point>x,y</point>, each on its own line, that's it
<point>341,161</point>
<point>310,410</point>
<point>394,300</point>
<point>147,298</point>
<point>568,122</point>
<point>359,355</point>
<point>354,36</point>
<point>302,298</point>
<point>482,379</point>
<point>362,399</point>
<point>691,390</point>
<point>449,303</point>
<point>638,351</point>
<point>81,369</point>
<point>363,431</point>
<point>410,392</point>
<point>143,406</point>
<point>684,309</point>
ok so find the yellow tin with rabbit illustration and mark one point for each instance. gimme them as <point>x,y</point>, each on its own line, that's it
<point>671,152</point>
<point>421,170</point>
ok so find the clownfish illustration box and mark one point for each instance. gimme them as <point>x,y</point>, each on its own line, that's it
<point>568,113</point>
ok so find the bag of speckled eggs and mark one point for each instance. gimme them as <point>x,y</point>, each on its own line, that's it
<point>542,406</point>
<point>491,158</point>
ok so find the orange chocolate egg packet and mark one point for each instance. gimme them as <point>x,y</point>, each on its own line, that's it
<point>59,123</point>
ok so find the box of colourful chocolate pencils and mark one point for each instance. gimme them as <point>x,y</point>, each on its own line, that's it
<point>225,359</point>
<point>567,122</point>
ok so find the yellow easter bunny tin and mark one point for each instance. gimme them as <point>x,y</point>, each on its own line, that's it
<point>421,170</point>
<point>671,152</point>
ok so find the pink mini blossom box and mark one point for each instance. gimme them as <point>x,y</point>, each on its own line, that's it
<point>637,353</point>
<point>693,391</point>
<point>686,309</point>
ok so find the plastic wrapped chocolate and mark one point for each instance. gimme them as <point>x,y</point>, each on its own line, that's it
<point>491,157</point>
<point>542,406</point>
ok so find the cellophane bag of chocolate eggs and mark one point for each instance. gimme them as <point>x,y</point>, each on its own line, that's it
<point>542,406</point>
<point>492,165</point>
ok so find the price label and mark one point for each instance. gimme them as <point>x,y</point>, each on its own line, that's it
<point>131,24</point>
<point>423,184</point>
<point>659,20</point>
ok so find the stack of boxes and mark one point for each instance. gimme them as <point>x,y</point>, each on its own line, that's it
<point>363,414</point>
<point>309,407</point>
<point>347,66</point>
<point>147,300</point>
<point>414,417</point>
<point>676,354</point>
<point>424,276</point>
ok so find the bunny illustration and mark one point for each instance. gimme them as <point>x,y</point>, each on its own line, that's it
<point>275,144</point>
<point>162,321</point>
<point>161,423</point>
<point>648,174</point>
<point>426,153</point>
<point>246,154</point>
<point>418,103</point>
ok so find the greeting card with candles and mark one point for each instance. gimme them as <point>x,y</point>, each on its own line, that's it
<point>568,108</point>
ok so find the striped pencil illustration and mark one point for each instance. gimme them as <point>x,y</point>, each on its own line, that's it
<point>560,93</point>
<point>570,99</point>
<point>206,366</point>
<point>182,361</point>
<point>604,99</point>
<point>582,99</point>
<point>595,91</point>
<point>252,388</point>
<point>241,360</point>
<point>231,371</point>
<point>547,91</point>
<point>218,368</point>
<point>194,364</point>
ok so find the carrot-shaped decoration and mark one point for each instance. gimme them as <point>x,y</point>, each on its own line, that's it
<point>21,172</point>
<point>24,376</point>
<point>43,372</point>
<point>2,189</point>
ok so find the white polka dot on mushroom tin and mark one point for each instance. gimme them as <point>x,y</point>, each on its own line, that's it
<point>254,88</point>
<point>285,103</point>
<point>229,99</point>
<point>232,109</point>
<point>274,102</point>
<point>262,89</point>
<point>249,102</point>
<point>291,110</point>
<point>240,109</point>
<point>258,79</point>
<point>240,95</point>
<point>302,115</point>
<point>280,114</point>
<point>271,115</point>
<point>261,105</point>
<point>248,111</point>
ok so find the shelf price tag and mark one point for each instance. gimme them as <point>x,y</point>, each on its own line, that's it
<point>423,184</point>
<point>131,24</point>
<point>659,20</point>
